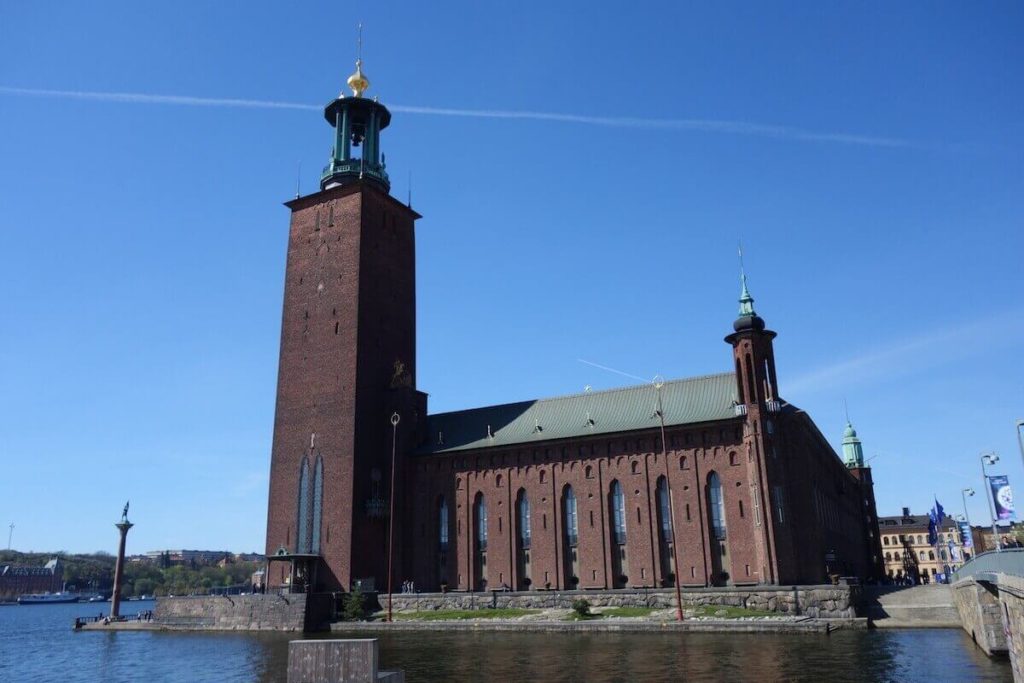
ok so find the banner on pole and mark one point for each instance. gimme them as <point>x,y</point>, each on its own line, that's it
<point>965,534</point>
<point>1002,497</point>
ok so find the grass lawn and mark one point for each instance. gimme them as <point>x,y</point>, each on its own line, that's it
<point>457,614</point>
<point>727,612</point>
<point>612,612</point>
<point>627,611</point>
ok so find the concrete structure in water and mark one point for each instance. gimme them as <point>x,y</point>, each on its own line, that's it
<point>708,481</point>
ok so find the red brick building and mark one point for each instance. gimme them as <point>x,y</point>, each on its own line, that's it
<point>717,477</point>
<point>19,580</point>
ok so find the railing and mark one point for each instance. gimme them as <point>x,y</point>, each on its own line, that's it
<point>1006,561</point>
<point>353,167</point>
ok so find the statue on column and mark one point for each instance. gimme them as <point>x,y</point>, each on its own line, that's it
<point>124,514</point>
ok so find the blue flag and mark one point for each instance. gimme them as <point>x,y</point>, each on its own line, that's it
<point>933,535</point>
<point>939,513</point>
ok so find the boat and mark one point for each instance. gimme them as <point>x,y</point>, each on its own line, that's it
<point>47,598</point>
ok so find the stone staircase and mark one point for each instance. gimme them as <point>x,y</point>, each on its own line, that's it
<point>911,607</point>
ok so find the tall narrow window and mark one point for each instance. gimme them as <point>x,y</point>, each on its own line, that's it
<point>717,505</point>
<point>779,512</point>
<point>619,513</point>
<point>442,524</point>
<point>524,521</point>
<point>571,525</point>
<point>481,523</point>
<point>302,521</point>
<point>318,502</point>
<point>664,510</point>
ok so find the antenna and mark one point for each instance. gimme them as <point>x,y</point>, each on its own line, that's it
<point>10,534</point>
<point>409,200</point>
<point>739,248</point>
<point>359,48</point>
<point>298,180</point>
<point>846,409</point>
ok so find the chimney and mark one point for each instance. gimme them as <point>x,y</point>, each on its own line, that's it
<point>906,512</point>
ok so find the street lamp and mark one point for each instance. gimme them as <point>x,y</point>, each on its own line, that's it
<point>1020,437</point>
<point>967,518</point>
<point>658,384</point>
<point>964,493</point>
<point>990,459</point>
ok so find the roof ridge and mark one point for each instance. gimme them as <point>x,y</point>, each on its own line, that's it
<point>559,397</point>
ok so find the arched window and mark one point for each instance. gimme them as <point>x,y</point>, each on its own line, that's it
<point>717,504</point>
<point>920,555</point>
<point>481,522</point>
<point>920,540</point>
<point>318,502</point>
<point>442,524</point>
<point>888,557</point>
<point>302,520</point>
<point>619,513</point>
<point>885,540</point>
<point>664,510</point>
<point>524,520</point>
<point>571,527</point>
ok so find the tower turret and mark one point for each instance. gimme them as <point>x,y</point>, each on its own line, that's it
<point>753,354</point>
<point>853,453</point>
<point>357,122</point>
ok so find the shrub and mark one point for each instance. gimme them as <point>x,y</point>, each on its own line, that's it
<point>581,607</point>
<point>355,606</point>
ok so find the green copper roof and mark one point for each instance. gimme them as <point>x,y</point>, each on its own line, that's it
<point>684,401</point>
<point>853,452</point>
<point>746,301</point>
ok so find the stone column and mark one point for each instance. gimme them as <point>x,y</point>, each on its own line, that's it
<point>115,599</point>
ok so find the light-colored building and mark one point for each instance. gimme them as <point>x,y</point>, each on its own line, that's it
<point>906,551</point>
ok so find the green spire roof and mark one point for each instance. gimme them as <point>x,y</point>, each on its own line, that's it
<point>853,452</point>
<point>746,301</point>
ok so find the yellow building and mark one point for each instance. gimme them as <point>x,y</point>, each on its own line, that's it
<point>907,552</point>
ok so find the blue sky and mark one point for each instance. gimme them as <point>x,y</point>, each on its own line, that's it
<point>584,176</point>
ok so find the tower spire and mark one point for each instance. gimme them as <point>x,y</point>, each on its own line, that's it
<point>746,301</point>
<point>357,81</point>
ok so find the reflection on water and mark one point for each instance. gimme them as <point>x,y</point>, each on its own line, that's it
<point>37,644</point>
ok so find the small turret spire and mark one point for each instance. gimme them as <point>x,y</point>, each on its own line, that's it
<point>746,301</point>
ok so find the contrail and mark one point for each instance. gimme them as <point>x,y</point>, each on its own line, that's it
<point>704,125</point>
<point>617,372</point>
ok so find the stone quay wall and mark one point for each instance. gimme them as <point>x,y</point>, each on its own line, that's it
<point>290,612</point>
<point>981,615</point>
<point>836,602</point>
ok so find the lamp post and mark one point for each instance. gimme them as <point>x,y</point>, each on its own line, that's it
<point>964,493</point>
<point>990,459</point>
<point>1020,437</point>
<point>658,384</point>
<point>395,418</point>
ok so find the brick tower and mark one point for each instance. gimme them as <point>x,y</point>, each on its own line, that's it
<point>347,364</point>
<point>757,400</point>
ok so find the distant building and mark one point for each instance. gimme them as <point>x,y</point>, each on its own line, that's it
<point>197,557</point>
<point>907,552</point>
<point>15,580</point>
<point>984,540</point>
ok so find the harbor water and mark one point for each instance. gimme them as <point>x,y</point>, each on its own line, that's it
<point>37,643</point>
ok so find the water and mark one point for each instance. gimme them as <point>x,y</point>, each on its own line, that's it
<point>38,644</point>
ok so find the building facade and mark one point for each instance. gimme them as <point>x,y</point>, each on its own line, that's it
<point>18,580</point>
<point>910,556</point>
<point>717,480</point>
